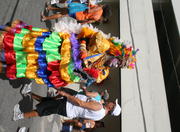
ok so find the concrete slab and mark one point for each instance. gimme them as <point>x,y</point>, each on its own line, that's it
<point>175,4</point>
<point>144,104</point>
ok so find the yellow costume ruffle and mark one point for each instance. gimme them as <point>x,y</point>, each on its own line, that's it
<point>32,56</point>
<point>65,57</point>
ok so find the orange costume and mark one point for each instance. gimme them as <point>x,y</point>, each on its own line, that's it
<point>94,13</point>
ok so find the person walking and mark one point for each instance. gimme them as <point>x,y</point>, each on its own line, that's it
<point>81,12</point>
<point>79,106</point>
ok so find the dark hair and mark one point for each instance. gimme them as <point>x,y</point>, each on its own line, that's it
<point>105,20</point>
<point>106,11</point>
<point>99,124</point>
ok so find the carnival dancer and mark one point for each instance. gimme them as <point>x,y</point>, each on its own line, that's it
<point>72,53</point>
<point>78,106</point>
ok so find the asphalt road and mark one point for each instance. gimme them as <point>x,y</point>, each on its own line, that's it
<point>29,12</point>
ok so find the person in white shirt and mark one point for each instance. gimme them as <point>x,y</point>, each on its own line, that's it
<point>79,106</point>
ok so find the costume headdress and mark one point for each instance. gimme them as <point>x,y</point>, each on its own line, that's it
<point>123,51</point>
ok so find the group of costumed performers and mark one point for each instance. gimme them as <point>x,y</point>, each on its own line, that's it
<point>72,53</point>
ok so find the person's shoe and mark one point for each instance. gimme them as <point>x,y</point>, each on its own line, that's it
<point>52,2</point>
<point>52,92</point>
<point>26,89</point>
<point>47,3</point>
<point>23,129</point>
<point>47,8</point>
<point>43,18</point>
<point>17,113</point>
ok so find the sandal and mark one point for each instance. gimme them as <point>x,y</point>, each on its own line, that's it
<point>46,9</point>
<point>47,4</point>
<point>43,18</point>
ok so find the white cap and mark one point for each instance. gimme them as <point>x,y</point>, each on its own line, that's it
<point>117,109</point>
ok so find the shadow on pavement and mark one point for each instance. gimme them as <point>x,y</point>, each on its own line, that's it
<point>47,23</point>
<point>26,104</point>
<point>17,82</point>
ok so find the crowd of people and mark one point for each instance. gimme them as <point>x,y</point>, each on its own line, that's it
<point>84,11</point>
<point>72,53</point>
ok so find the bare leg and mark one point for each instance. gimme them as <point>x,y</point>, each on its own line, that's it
<point>30,114</point>
<point>55,16</point>
<point>15,22</point>
<point>52,8</point>
<point>74,122</point>
<point>19,115</point>
<point>1,40</point>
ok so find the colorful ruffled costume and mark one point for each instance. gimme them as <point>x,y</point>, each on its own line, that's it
<point>59,58</point>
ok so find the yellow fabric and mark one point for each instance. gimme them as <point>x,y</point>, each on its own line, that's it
<point>114,49</point>
<point>65,57</point>
<point>39,80</point>
<point>29,45</point>
<point>26,38</point>
<point>91,60</point>
<point>32,67</point>
<point>86,33</point>
<point>32,56</point>
<point>36,33</point>
<point>101,77</point>
<point>98,43</point>
<point>99,63</point>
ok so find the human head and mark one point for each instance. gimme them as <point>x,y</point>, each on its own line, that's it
<point>106,13</point>
<point>99,124</point>
<point>113,108</point>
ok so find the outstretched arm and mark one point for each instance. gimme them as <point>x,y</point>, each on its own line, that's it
<point>92,105</point>
<point>74,122</point>
<point>90,94</point>
<point>88,21</point>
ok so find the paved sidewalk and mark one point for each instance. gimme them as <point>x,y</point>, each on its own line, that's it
<point>50,123</point>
